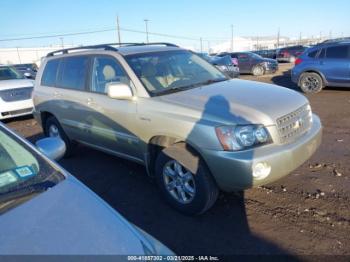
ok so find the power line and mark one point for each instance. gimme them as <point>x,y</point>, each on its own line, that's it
<point>106,30</point>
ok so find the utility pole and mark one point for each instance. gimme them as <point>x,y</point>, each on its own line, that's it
<point>146,23</point>
<point>62,43</point>
<point>278,38</point>
<point>19,57</point>
<point>231,38</point>
<point>118,30</point>
<point>201,41</point>
<point>300,38</point>
<point>330,34</point>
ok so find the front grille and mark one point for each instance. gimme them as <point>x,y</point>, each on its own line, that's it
<point>17,94</point>
<point>293,125</point>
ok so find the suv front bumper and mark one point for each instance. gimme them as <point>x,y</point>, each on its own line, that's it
<point>234,170</point>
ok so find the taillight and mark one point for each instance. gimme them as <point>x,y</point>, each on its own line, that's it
<point>298,61</point>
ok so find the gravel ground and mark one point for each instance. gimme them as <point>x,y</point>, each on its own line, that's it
<point>305,213</point>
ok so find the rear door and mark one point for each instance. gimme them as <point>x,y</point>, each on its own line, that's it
<point>336,64</point>
<point>71,95</point>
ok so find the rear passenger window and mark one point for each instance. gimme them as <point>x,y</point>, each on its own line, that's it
<point>337,52</point>
<point>313,54</point>
<point>73,72</point>
<point>50,72</point>
<point>106,70</point>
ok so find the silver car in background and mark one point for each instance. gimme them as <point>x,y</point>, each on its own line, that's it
<point>15,93</point>
<point>46,211</point>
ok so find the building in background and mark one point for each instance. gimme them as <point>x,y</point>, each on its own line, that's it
<point>25,55</point>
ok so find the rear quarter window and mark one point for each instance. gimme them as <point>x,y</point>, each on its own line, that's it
<point>50,73</point>
<point>313,54</point>
<point>73,72</point>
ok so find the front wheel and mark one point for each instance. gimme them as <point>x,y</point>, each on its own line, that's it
<point>258,70</point>
<point>190,192</point>
<point>311,83</point>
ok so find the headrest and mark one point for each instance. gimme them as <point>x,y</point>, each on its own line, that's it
<point>108,72</point>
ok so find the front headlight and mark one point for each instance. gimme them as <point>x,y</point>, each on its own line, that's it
<point>234,138</point>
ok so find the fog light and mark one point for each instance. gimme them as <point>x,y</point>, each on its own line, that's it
<point>261,170</point>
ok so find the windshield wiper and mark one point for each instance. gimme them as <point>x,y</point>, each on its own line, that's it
<point>28,190</point>
<point>182,88</point>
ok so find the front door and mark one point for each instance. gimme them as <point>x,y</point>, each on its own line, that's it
<point>109,121</point>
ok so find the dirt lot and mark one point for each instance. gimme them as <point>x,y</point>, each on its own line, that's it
<point>306,213</point>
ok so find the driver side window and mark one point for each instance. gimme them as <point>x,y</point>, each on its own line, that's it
<point>106,70</point>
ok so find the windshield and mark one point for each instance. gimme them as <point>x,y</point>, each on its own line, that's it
<point>254,55</point>
<point>23,173</point>
<point>8,73</point>
<point>163,72</point>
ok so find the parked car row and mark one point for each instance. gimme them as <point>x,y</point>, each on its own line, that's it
<point>224,63</point>
<point>251,63</point>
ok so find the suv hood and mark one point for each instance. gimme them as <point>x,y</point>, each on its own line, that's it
<point>239,102</point>
<point>15,83</point>
<point>67,219</point>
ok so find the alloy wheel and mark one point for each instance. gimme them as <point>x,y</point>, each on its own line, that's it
<point>179,182</point>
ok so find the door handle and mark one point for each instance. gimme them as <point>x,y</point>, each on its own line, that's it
<point>90,101</point>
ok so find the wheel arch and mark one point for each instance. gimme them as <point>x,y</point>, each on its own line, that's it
<point>313,71</point>
<point>44,115</point>
<point>159,142</point>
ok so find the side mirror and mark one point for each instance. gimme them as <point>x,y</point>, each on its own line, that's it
<point>119,90</point>
<point>28,75</point>
<point>53,147</point>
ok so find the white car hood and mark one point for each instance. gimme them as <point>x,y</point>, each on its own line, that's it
<point>15,83</point>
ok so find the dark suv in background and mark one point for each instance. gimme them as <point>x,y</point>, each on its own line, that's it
<point>326,64</point>
<point>251,63</point>
<point>27,70</point>
<point>290,54</point>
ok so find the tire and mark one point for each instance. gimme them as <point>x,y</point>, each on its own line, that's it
<point>258,70</point>
<point>53,128</point>
<point>311,83</point>
<point>204,191</point>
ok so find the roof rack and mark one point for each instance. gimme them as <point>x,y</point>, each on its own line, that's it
<point>336,40</point>
<point>105,47</point>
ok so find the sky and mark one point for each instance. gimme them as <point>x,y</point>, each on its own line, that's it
<point>194,19</point>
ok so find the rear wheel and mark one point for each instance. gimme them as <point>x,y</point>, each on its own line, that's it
<point>53,128</point>
<point>311,83</point>
<point>190,192</point>
<point>258,70</point>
